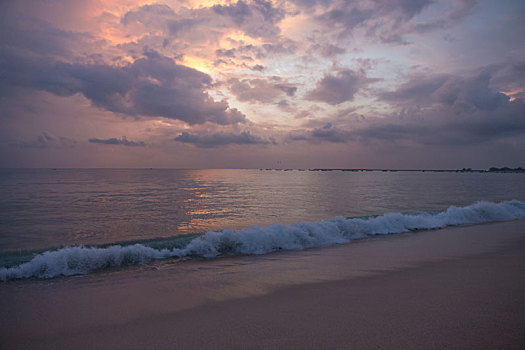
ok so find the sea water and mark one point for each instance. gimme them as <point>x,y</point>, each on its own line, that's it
<point>74,221</point>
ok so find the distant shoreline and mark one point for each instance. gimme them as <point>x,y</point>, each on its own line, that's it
<point>464,170</point>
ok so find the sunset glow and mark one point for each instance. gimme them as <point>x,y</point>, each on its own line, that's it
<point>369,83</point>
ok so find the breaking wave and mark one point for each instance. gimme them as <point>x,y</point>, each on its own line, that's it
<point>259,240</point>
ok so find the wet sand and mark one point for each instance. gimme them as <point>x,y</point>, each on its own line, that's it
<point>459,287</point>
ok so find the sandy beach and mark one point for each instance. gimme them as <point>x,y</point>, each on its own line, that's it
<point>458,288</point>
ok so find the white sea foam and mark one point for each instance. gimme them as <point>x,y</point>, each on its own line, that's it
<point>260,240</point>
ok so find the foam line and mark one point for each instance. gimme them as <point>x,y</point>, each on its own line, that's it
<point>260,240</point>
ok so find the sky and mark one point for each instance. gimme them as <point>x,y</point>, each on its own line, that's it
<point>404,84</point>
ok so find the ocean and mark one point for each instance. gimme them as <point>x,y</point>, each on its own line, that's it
<point>59,222</point>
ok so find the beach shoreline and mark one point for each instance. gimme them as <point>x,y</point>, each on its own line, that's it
<point>458,287</point>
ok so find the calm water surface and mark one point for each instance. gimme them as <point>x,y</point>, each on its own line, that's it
<point>44,208</point>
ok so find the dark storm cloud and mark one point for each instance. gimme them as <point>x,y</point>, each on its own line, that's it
<point>330,134</point>
<point>389,20</point>
<point>326,133</point>
<point>339,88</point>
<point>259,90</point>
<point>436,110</point>
<point>45,140</point>
<point>417,88</point>
<point>445,126</point>
<point>349,15</point>
<point>37,36</point>
<point>114,141</point>
<point>472,92</point>
<point>511,78</point>
<point>439,126</point>
<point>152,86</point>
<point>221,139</point>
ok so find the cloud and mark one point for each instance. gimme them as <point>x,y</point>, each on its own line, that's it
<point>114,141</point>
<point>327,50</point>
<point>225,53</point>
<point>153,85</point>
<point>257,67</point>
<point>280,46</point>
<point>446,109</point>
<point>134,62</point>
<point>418,126</point>
<point>339,88</point>
<point>326,133</point>
<point>330,134</point>
<point>258,19</point>
<point>221,139</point>
<point>307,5</point>
<point>377,15</point>
<point>239,11</point>
<point>510,79</point>
<point>148,15</point>
<point>259,90</point>
<point>435,110</point>
<point>445,126</point>
<point>390,20</point>
<point>45,140</point>
<point>470,93</point>
<point>462,9</point>
<point>37,36</point>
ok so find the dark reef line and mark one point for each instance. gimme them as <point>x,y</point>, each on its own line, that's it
<point>464,170</point>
